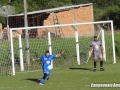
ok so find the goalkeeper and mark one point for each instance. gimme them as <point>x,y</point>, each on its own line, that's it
<point>46,64</point>
<point>96,46</point>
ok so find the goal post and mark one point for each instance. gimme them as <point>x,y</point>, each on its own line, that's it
<point>12,53</point>
<point>21,52</point>
<point>49,46</point>
<point>74,40</point>
<point>113,42</point>
<point>77,44</point>
<point>103,43</point>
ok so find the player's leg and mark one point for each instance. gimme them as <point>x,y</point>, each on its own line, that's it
<point>46,76</point>
<point>43,78</point>
<point>95,61</point>
<point>101,62</point>
<point>95,64</point>
<point>101,65</point>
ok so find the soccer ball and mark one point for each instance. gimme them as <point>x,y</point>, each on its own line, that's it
<point>49,67</point>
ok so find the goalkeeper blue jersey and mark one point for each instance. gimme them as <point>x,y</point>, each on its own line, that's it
<point>46,60</point>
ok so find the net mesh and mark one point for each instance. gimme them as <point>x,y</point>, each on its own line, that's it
<point>5,54</point>
<point>38,44</point>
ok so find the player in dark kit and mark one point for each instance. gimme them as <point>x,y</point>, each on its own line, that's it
<point>96,46</point>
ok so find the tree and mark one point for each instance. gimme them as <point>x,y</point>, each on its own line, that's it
<point>112,13</point>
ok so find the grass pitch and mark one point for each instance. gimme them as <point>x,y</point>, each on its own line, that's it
<point>78,77</point>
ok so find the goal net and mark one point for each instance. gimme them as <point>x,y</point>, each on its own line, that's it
<point>31,42</point>
<point>5,54</point>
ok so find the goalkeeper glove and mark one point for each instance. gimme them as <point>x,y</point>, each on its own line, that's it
<point>89,53</point>
<point>103,52</point>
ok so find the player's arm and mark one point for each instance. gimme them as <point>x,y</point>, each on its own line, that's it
<point>91,47</point>
<point>35,59</point>
<point>61,53</point>
<point>90,50</point>
<point>103,51</point>
<point>101,47</point>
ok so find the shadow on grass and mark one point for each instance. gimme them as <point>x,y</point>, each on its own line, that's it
<point>33,79</point>
<point>89,69</point>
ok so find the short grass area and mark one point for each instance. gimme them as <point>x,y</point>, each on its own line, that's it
<point>69,75</point>
<point>77,77</point>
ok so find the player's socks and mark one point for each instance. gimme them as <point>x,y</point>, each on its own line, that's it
<point>48,78</point>
<point>94,66</point>
<point>101,66</point>
<point>43,78</point>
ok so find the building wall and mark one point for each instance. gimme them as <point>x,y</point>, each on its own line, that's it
<point>76,15</point>
<point>81,14</point>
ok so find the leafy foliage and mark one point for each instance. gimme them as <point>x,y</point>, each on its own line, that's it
<point>103,9</point>
<point>112,13</point>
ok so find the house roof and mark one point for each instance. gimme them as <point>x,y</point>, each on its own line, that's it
<point>52,9</point>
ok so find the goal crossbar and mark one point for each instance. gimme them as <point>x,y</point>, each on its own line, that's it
<point>63,25</point>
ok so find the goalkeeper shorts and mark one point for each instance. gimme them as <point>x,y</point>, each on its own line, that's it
<point>97,55</point>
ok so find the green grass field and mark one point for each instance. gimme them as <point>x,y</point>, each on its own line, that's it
<point>78,77</point>
<point>68,75</point>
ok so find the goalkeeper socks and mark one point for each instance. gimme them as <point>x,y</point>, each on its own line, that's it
<point>101,64</point>
<point>94,64</point>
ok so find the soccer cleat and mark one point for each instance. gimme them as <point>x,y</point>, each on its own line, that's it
<point>48,78</point>
<point>41,84</point>
<point>94,70</point>
<point>102,69</point>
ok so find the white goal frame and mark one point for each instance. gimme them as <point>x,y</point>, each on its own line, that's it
<point>60,25</point>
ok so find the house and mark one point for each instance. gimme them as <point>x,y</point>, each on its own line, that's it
<point>60,15</point>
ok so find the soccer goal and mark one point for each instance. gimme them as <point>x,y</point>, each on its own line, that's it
<point>73,38</point>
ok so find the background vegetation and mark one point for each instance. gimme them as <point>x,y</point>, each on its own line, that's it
<point>103,9</point>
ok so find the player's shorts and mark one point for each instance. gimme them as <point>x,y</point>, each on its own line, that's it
<point>46,70</point>
<point>97,55</point>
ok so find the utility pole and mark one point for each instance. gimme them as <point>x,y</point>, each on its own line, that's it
<point>26,33</point>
